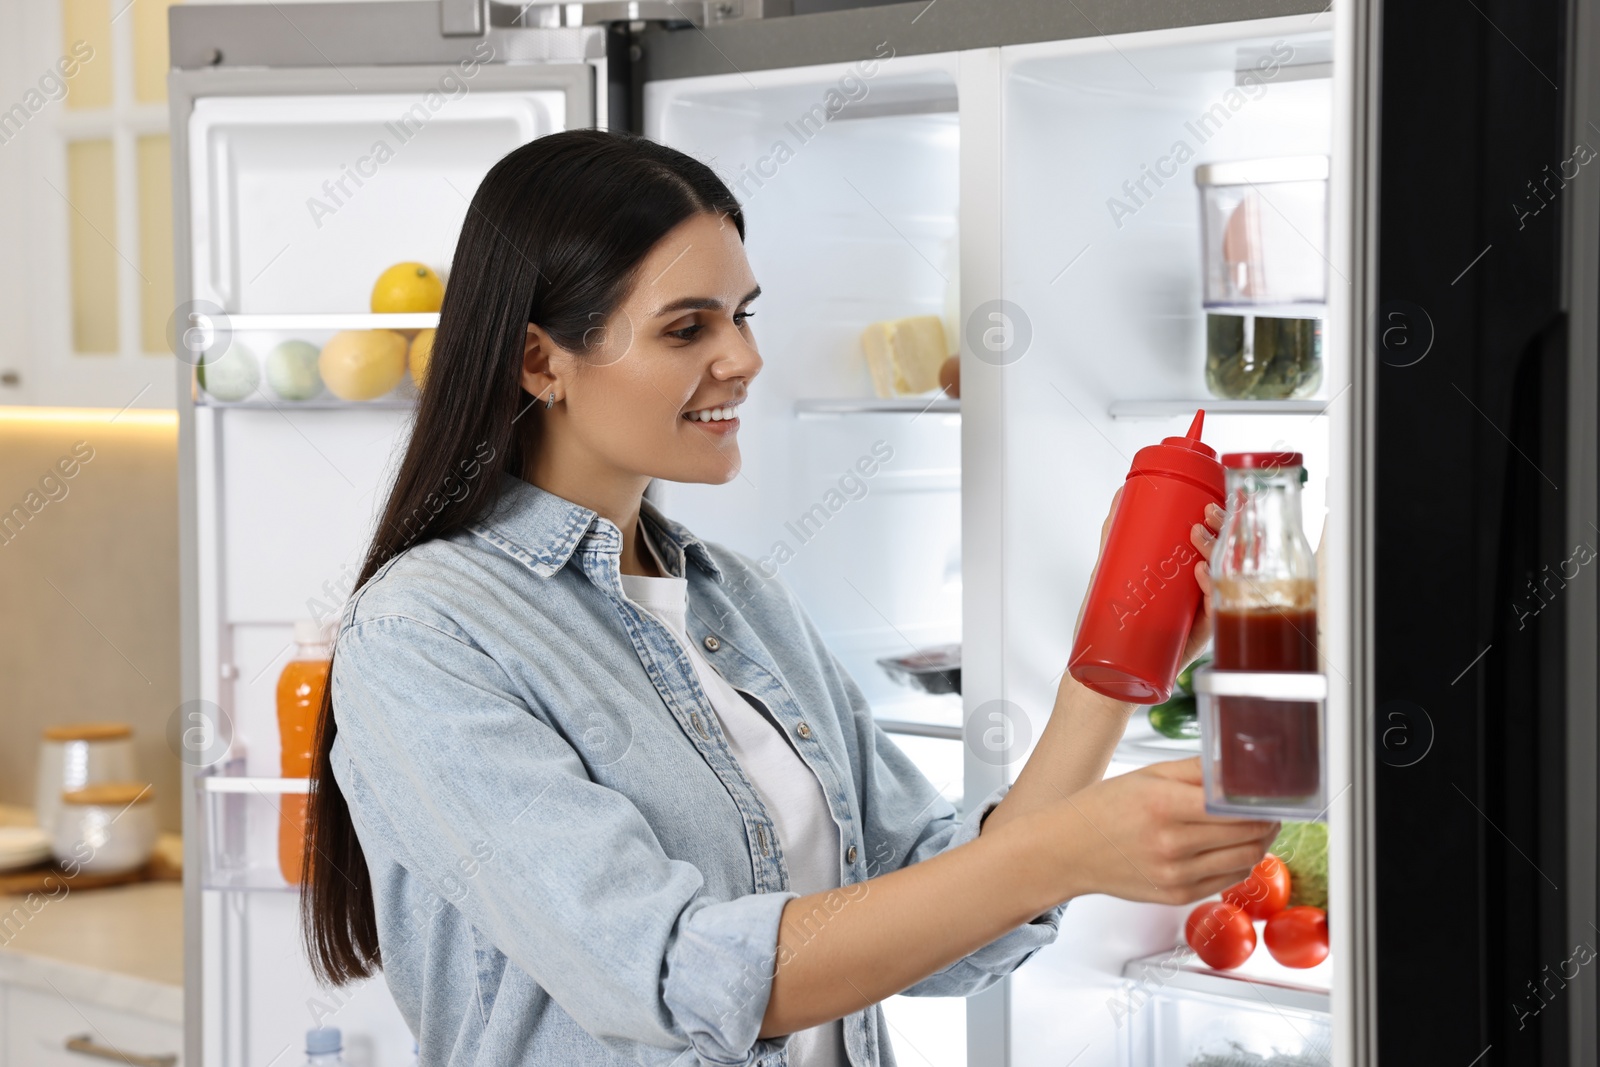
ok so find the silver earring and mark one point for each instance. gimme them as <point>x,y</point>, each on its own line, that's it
<point>551,402</point>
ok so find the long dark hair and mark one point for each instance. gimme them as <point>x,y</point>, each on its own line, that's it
<point>554,236</point>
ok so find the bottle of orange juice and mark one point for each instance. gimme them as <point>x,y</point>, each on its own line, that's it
<point>300,689</point>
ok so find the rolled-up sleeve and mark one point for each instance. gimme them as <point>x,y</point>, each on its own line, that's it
<point>491,807</point>
<point>906,820</point>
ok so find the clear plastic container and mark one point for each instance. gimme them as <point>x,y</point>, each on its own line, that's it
<point>1264,234</point>
<point>1178,1027</point>
<point>1261,704</point>
<point>1264,227</point>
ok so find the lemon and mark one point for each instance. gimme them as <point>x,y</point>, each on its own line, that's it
<point>407,288</point>
<point>292,370</point>
<point>363,364</point>
<point>421,354</point>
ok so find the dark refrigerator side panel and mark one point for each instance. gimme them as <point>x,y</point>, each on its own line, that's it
<point>1472,510</point>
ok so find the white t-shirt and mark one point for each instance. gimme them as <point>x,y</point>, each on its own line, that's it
<point>792,794</point>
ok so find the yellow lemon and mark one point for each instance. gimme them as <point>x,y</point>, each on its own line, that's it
<point>362,364</point>
<point>421,353</point>
<point>407,288</point>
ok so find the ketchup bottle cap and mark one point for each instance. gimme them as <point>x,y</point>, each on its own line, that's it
<point>1186,457</point>
<point>1191,440</point>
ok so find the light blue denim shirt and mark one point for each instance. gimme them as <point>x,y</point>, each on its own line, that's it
<point>569,867</point>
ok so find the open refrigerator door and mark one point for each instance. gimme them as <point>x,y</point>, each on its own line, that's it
<point>298,187</point>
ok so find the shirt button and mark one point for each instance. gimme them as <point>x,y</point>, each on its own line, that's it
<point>850,854</point>
<point>712,644</point>
<point>803,730</point>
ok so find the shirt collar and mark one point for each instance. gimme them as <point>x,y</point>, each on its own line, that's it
<point>543,530</point>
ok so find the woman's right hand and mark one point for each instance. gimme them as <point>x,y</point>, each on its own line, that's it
<point>1146,836</point>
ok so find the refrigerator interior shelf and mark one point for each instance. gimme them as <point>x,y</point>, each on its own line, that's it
<point>919,729</point>
<point>1168,409</point>
<point>1260,979</point>
<point>900,405</point>
<point>1141,745</point>
<point>339,321</point>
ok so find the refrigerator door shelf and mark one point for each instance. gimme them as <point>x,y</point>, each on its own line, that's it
<point>239,830</point>
<point>253,342</point>
<point>1278,723</point>
<point>353,320</point>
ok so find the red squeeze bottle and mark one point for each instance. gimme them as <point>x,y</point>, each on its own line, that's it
<point>1144,598</point>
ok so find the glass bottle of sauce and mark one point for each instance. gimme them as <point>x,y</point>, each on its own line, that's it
<point>1270,751</point>
<point>300,689</point>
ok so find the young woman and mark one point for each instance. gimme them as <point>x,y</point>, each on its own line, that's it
<point>593,790</point>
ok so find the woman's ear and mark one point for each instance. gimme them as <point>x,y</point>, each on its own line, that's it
<point>537,376</point>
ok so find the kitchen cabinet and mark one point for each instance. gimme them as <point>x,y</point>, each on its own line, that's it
<point>86,281</point>
<point>40,1026</point>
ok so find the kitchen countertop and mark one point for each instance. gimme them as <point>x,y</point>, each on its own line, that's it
<point>120,946</point>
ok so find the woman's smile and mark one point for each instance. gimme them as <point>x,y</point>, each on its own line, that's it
<point>720,420</point>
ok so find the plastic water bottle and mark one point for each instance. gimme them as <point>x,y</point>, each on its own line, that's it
<point>324,1047</point>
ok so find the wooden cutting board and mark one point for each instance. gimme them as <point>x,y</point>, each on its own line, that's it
<point>47,879</point>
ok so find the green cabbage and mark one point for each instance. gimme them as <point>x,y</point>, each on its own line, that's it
<point>1303,848</point>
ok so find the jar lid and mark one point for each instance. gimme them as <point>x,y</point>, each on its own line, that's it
<point>111,793</point>
<point>89,731</point>
<point>1255,461</point>
<point>1262,171</point>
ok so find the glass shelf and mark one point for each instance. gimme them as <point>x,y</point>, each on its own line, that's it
<point>1260,979</point>
<point>900,405</point>
<point>1170,409</point>
<point>239,841</point>
<point>1141,745</point>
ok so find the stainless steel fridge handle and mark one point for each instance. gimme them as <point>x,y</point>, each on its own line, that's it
<point>84,1046</point>
<point>462,18</point>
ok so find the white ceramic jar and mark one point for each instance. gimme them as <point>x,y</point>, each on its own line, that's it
<point>107,828</point>
<point>77,755</point>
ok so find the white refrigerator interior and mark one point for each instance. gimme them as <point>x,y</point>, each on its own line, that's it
<point>854,505</point>
<point>858,219</point>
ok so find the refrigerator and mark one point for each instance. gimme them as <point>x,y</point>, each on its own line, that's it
<point>1025,172</point>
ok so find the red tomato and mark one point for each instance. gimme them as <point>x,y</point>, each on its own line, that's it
<point>1220,934</point>
<point>1265,892</point>
<point>1298,937</point>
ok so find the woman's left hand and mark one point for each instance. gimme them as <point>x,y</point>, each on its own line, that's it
<point>1204,538</point>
